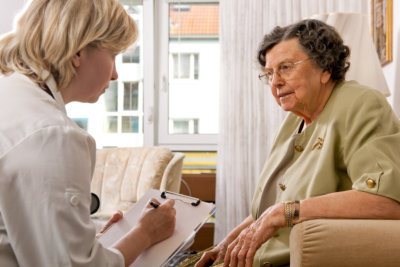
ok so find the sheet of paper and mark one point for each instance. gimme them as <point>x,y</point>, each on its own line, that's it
<point>188,219</point>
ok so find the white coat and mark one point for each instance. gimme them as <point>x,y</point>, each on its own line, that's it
<point>46,164</point>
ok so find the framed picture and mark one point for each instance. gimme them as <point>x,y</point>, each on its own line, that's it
<point>382,25</point>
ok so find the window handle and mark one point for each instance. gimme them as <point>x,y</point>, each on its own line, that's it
<point>164,85</point>
<point>149,117</point>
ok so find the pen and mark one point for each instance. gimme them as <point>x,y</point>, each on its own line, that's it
<point>154,205</point>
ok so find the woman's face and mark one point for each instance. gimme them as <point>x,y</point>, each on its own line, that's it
<point>95,68</point>
<point>301,90</point>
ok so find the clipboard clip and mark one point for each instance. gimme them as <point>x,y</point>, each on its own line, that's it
<point>195,201</point>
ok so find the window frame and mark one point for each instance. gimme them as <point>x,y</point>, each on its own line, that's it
<point>182,142</point>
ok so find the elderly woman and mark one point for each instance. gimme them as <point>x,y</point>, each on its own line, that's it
<point>60,51</point>
<point>335,155</point>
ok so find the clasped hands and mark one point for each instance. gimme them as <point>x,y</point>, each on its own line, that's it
<point>239,250</point>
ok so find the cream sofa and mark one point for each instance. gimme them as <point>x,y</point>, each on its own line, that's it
<point>345,243</point>
<point>123,175</point>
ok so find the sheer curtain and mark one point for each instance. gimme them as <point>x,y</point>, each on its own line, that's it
<point>249,116</point>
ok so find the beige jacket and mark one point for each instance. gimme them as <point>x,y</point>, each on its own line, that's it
<point>354,143</point>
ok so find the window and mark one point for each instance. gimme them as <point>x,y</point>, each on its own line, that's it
<point>185,126</point>
<point>188,114</point>
<point>167,90</point>
<point>132,55</point>
<point>185,66</point>
<point>131,95</point>
<point>122,115</point>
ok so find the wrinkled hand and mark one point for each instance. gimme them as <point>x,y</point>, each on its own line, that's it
<point>215,255</point>
<point>158,223</point>
<point>242,250</point>
<point>115,218</point>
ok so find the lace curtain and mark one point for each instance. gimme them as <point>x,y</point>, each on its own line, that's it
<point>249,114</point>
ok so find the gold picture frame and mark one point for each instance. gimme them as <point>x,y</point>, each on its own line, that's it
<point>382,28</point>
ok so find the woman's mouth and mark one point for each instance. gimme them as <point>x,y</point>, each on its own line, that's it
<point>283,95</point>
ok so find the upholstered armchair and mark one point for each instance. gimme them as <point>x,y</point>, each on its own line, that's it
<point>123,175</point>
<point>345,243</point>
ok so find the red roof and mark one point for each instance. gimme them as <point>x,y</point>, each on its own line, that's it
<point>194,20</point>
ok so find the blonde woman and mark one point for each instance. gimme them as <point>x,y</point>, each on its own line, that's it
<point>60,51</point>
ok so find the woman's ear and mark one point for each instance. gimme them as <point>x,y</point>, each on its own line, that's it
<point>325,76</point>
<point>76,59</point>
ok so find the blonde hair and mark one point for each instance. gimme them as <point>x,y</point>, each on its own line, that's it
<point>50,32</point>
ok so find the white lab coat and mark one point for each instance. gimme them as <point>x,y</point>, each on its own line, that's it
<point>46,164</point>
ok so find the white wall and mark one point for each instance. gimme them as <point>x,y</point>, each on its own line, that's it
<point>9,9</point>
<point>392,69</point>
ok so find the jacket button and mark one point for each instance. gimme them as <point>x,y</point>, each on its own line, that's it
<point>370,183</point>
<point>299,148</point>
<point>74,200</point>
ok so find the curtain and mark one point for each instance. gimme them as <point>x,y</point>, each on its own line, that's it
<point>249,116</point>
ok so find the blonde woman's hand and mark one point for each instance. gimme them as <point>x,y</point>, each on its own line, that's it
<point>115,218</point>
<point>158,223</point>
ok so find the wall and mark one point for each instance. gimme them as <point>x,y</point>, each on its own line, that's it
<point>392,69</point>
<point>7,14</point>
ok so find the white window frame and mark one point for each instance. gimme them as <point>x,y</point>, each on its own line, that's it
<point>149,74</point>
<point>182,142</point>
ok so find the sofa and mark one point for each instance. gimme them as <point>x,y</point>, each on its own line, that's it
<point>123,175</point>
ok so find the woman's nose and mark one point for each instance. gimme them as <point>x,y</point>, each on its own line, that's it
<point>114,75</point>
<point>276,79</point>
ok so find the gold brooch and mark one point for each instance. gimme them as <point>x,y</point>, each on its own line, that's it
<point>318,144</point>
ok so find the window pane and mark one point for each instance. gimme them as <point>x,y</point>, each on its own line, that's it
<point>194,70</point>
<point>181,66</point>
<point>132,55</point>
<point>111,97</point>
<point>130,124</point>
<point>131,92</point>
<point>111,124</point>
<point>181,127</point>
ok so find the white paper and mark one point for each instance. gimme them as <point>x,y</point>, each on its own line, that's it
<point>188,220</point>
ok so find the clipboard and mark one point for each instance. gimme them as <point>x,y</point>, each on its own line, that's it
<point>191,214</point>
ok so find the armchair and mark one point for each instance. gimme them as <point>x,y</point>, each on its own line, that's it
<point>345,243</point>
<point>123,175</point>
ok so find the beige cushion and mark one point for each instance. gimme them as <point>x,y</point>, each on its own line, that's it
<point>344,243</point>
<point>124,175</point>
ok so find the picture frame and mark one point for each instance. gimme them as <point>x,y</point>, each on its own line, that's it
<point>382,28</point>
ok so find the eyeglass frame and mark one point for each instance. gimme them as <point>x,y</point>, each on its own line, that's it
<point>264,76</point>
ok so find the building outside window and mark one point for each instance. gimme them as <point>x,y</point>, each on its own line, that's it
<point>193,68</point>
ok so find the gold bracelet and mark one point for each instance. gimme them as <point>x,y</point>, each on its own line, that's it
<point>288,213</point>
<point>291,214</point>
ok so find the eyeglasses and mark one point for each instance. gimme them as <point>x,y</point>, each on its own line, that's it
<point>284,70</point>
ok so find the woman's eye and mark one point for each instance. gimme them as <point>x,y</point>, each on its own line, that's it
<point>285,67</point>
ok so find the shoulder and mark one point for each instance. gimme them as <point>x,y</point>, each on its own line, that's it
<point>352,101</point>
<point>350,93</point>
<point>29,111</point>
